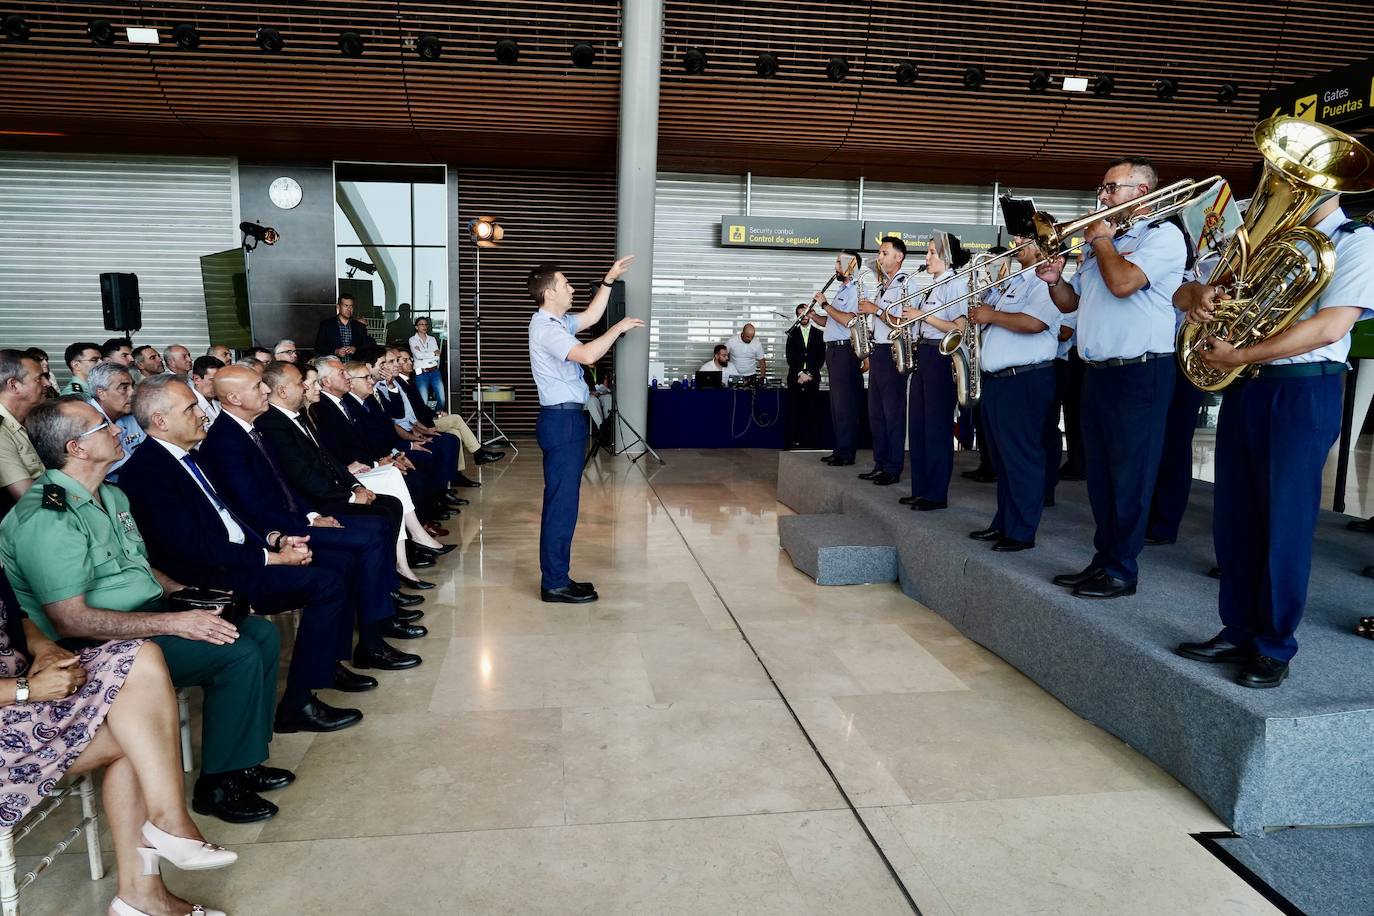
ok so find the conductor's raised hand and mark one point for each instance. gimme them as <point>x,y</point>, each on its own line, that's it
<point>627,324</point>
<point>619,267</point>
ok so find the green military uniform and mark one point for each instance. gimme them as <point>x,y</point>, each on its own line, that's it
<point>77,387</point>
<point>18,460</point>
<point>58,542</point>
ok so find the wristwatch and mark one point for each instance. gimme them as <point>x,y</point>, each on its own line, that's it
<point>21,690</point>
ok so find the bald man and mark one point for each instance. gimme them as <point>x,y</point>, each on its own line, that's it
<point>746,353</point>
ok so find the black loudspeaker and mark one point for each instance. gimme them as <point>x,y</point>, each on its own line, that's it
<point>119,302</point>
<point>615,306</point>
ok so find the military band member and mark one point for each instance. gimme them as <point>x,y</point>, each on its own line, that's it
<point>1273,436</point>
<point>886,386</point>
<point>841,365</point>
<point>1066,444</point>
<point>1124,296</point>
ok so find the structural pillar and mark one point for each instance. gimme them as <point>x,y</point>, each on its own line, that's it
<point>641,53</point>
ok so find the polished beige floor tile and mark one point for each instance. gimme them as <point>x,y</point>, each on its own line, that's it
<point>862,773</point>
<point>823,660</point>
<point>702,666</point>
<point>535,672</point>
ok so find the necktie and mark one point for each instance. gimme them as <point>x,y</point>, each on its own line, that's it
<point>214,497</point>
<point>291,505</point>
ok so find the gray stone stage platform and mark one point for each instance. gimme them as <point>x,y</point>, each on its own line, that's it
<point>1299,755</point>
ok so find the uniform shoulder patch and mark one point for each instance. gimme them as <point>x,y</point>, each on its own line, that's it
<point>54,497</point>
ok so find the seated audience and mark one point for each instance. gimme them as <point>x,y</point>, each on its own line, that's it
<point>447,452</point>
<point>177,359</point>
<point>21,390</point>
<point>118,350</point>
<point>148,361</point>
<point>202,385</point>
<point>112,393</point>
<point>261,354</point>
<point>40,356</point>
<point>440,421</point>
<point>286,351</point>
<point>221,352</point>
<point>250,362</point>
<point>80,358</point>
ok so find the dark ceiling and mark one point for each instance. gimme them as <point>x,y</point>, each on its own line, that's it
<point>229,97</point>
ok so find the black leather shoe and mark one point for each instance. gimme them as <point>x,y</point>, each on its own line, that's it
<point>828,458</point>
<point>401,599</point>
<point>1262,671</point>
<point>980,476</point>
<point>1104,586</point>
<point>585,588</point>
<point>1011,545</point>
<point>1160,542</point>
<point>439,551</point>
<point>927,505</point>
<point>1073,580</point>
<point>418,584</point>
<point>397,630</point>
<point>1215,649</point>
<point>262,778</point>
<point>451,504</point>
<point>1365,525</point>
<point>226,797</point>
<point>1049,501</point>
<point>568,594</point>
<point>487,456</point>
<point>418,560</point>
<point>384,658</point>
<point>842,462</point>
<point>908,500</point>
<point>870,475</point>
<point>885,479</point>
<point>1368,572</point>
<point>458,500</point>
<point>1214,572</point>
<point>351,682</point>
<point>442,515</point>
<point>462,480</point>
<point>316,716</point>
<point>986,534</point>
<point>409,615</point>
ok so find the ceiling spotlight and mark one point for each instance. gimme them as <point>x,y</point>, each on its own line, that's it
<point>16,28</point>
<point>1228,93</point>
<point>186,36</point>
<point>101,32</point>
<point>350,44</point>
<point>258,234</point>
<point>269,39</point>
<point>583,55</point>
<point>767,64</point>
<point>974,76</point>
<point>1102,84</point>
<point>836,69</point>
<point>429,47</point>
<point>507,52</point>
<point>1166,87</point>
<point>486,232</point>
<point>1039,80</point>
<point>906,73</point>
<point>694,60</point>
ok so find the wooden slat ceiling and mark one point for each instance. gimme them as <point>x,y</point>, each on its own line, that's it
<point>310,101</point>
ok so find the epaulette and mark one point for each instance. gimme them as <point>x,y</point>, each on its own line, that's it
<point>54,497</point>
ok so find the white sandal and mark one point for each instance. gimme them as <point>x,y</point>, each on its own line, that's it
<point>123,909</point>
<point>185,854</point>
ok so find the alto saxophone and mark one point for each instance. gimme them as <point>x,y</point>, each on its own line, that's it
<point>964,344</point>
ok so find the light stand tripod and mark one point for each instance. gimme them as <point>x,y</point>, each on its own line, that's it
<point>611,425</point>
<point>480,411</point>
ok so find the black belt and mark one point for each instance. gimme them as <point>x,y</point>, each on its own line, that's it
<point>1114,361</point>
<point>1019,370</point>
<point>928,342</point>
<point>1303,370</point>
<point>566,405</point>
<point>837,343</point>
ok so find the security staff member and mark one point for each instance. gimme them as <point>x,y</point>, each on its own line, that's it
<point>1124,293</point>
<point>886,387</point>
<point>556,360</point>
<point>932,384</point>
<point>1017,356</point>
<point>1273,436</point>
<point>842,366</point>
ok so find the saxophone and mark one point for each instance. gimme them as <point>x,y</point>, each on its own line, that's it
<point>964,344</point>
<point>861,325</point>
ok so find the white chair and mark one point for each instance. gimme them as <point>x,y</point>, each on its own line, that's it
<point>9,836</point>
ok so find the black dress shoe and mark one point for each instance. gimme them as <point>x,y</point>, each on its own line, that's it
<point>567,594</point>
<point>419,584</point>
<point>1073,580</point>
<point>384,658</point>
<point>1262,671</point>
<point>409,615</point>
<point>986,534</point>
<point>316,716</point>
<point>459,500</point>
<point>1368,572</point>
<point>1011,545</point>
<point>1214,572</point>
<point>1215,649</point>
<point>352,682</point>
<point>1365,525</point>
<point>1160,542</point>
<point>262,778</point>
<point>398,630</point>
<point>418,560</point>
<point>828,458</point>
<point>226,797</point>
<point>885,479</point>
<point>401,599</point>
<point>980,476</point>
<point>927,505</point>
<point>462,480</point>
<point>585,588</point>
<point>1104,586</point>
<point>487,456</point>
<point>439,551</point>
<point>870,475</point>
<point>451,504</point>
<point>842,462</point>
<point>442,515</point>
<point>908,500</point>
<point>1049,501</point>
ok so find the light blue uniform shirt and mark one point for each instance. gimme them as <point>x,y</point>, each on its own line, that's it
<point>1352,285</point>
<point>1143,322</point>
<point>1003,348</point>
<point>1066,321</point>
<point>902,285</point>
<point>871,289</point>
<point>559,380</point>
<point>957,288</point>
<point>131,436</point>
<point>846,300</point>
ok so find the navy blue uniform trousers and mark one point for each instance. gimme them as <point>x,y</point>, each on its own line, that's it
<point>1068,392</point>
<point>562,435</point>
<point>1273,437</point>
<point>1123,433</point>
<point>886,410</point>
<point>1014,407</point>
<point>846,385</point>
<point>363,555</point>
<point>1175,479</point>
<point>932,423</point>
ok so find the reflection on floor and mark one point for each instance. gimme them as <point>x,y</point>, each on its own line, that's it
<point>634,756</point>
<point>1359,487</point>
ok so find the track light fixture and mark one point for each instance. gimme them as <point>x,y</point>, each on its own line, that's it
<point>837,68</point>
<point>583,55</point>
<point>906,73</point>
<point>1102,85</point>
<point>16,28</point>
<point>351,44</point>
<point>766,64</point>
<point>1166,87</point>
<point>257,233</point>
<point>101,32</point>
<point>1039,80</point>
<point>694,61</point>
<point>269,39</point>
<point>507,52</point>
<point>974,76</point>
<point>486,231</point>
<point>1228,93</point>
<point>429,47</point>
<point>186,36</point>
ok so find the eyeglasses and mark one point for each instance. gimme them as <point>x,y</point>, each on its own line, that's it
<point>1111,187</point>
<point>280,352</point>
<point>90,432</point>
<point>357,377</point>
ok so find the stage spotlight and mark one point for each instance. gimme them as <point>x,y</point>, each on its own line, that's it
<point>429,47</point>
<point>355,265</point>
<point>1228,93</point>
<point>1166,87</point>
<point>258,234</point>
<point>583,55</point>
<point>837,69</point>
<point>906,73</point>
<point>507,52</point>
<point>1103,85</point>
<point>269,39</point>
<point>186,36</point>
<point>694,60</point>
<point>16,28</point>
<point>351,44</point>
<point>974,76</point>
<point>767,64</point>
<point>1039,80</point>
<point>101,32</point>
<point>486,232</point>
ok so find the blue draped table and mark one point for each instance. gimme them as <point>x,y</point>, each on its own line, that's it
<point>737,418</point>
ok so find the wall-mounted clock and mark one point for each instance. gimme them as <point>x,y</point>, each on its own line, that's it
<point>285,193</point>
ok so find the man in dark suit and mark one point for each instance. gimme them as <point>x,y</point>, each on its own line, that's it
<point>195,538</point>
<point>342,335</point>
<point>805,357</point>
<point>241,467</point>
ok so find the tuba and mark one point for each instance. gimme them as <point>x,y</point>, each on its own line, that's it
<point>1274,267</point>
<point>964,344</point>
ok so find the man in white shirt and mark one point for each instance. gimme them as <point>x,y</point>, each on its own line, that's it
<point>746,353</point>
<point>720,362</point>
<point>201,381</point>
